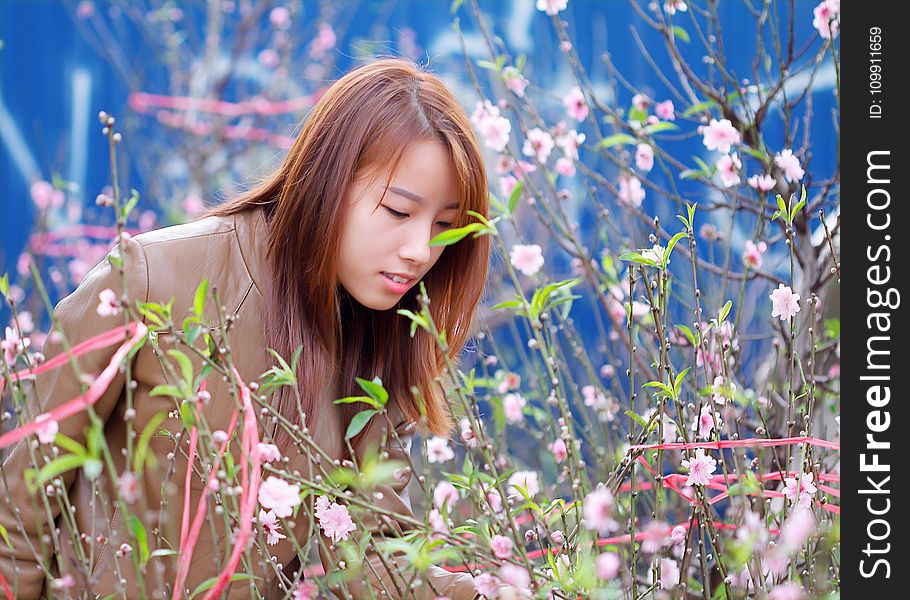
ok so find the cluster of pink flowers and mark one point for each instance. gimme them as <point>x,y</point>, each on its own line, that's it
<point>334,519</point>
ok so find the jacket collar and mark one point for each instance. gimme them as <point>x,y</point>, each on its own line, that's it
<point>252,235</point>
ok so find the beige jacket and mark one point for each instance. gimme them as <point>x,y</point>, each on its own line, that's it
<point>161,264</point>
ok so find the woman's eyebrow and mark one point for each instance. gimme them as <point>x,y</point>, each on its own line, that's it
<point>415,197</point>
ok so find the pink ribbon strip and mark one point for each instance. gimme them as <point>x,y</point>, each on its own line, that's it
<point>95,390</point>
<point>144,102</point>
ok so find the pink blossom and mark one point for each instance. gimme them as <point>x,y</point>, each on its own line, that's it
<point>654,536</point>
<point>124,550</point>
<point>526,258</point>
<point>467,434</point>
<point>279,495</point>
<point>753,254</point>
<point>268,452</point>
<point>45,196</point>
<point>539,144</point>
<point>268,58</point>
<point>705,423</point>
<point>789,164</point>
<point>593,397</point>
<point>720,135</point>
<point>494,499</point>
<point>575,104</point>
<point>512,405</point>
<point>700,468</point>
<point>515,81</point>
<point>727,167</point>
<point>270,525</point>
<point>678,535</point>
<point>85,10</point>
<point>559,450</point>
<point>325,41</point>
<point>501,546</point>
<point>669,574</point>
<point>806,488</point>
<point>525,479</point>
<point>565,167</point>
<point>511,381</point>
<point>515,576</point>
<point>280,17</point>
<point>671,6</point>
<point>630,191</point>
<point>192,204</point>
<point>796,529</point>
<point>128,487</point>
<point>784,303</point>
<point>827,18</point>
<point>65,582</point>
<point>438,450</point>
<point>486,585</point>
<point>569,141</point>
<point>665,110</point>
<point>147,220</point>
<point>641,102</point>
<point>47,432</point>
<point>787,591</point>
<point>443,493</point>
<point>507,183</point>
<point>13,345</point>
<point>495,132</point>
<point>335,522</point>
<point>764,183</point>
<point>305,590</point>
<point>607,565</point>
<point>437,522</point>
<point>598,510</point>
<point>109,305</point>
<point>552,7</point>
<point>644,157</point>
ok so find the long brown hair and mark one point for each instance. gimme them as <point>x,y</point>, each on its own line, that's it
<point>363,123</point>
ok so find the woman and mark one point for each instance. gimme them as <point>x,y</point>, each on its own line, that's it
<point>318,257</point>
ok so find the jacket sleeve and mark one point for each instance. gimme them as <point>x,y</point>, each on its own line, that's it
<point>24,515</point>
<point>394,498</point>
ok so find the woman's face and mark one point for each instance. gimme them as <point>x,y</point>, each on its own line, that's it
<point>393,237</point>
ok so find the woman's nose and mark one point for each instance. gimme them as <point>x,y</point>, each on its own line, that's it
<point>416,246</point>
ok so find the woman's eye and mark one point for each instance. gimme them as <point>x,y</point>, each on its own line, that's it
<point>443,224</point>
<point>395,213</point>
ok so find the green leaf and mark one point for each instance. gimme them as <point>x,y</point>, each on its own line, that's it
<point>210,582</point>
<point>725,311</point>
<point>374,389</point>
<point>68,443</point>
<point>637,258</point>
<point>673,241</point>
<point>485,64</point>
<point>681,34</point>
<point>704,167</point>
<point>141,538</point>
<point>678,381</point>
<point>688,333</point>
<point>760,156</point>
<point>507,304</point>
<point>515,196</point>
<point>632,415</point>
<point>199,299</point>
<point>359,421</point>
<point>353,399</point>
<point>166,390</point>
<point>186,367</point>
<point>696,108</point>
<point>142,445</point>
<point>5,536</point>
<point>62,464</point>
<point>453,236</point>
<point>616,140</point>
<point>659,127</point>
<point>130,205</point>
<point>4,285</point>
<point>800,204</point>
<point>455,6</point>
